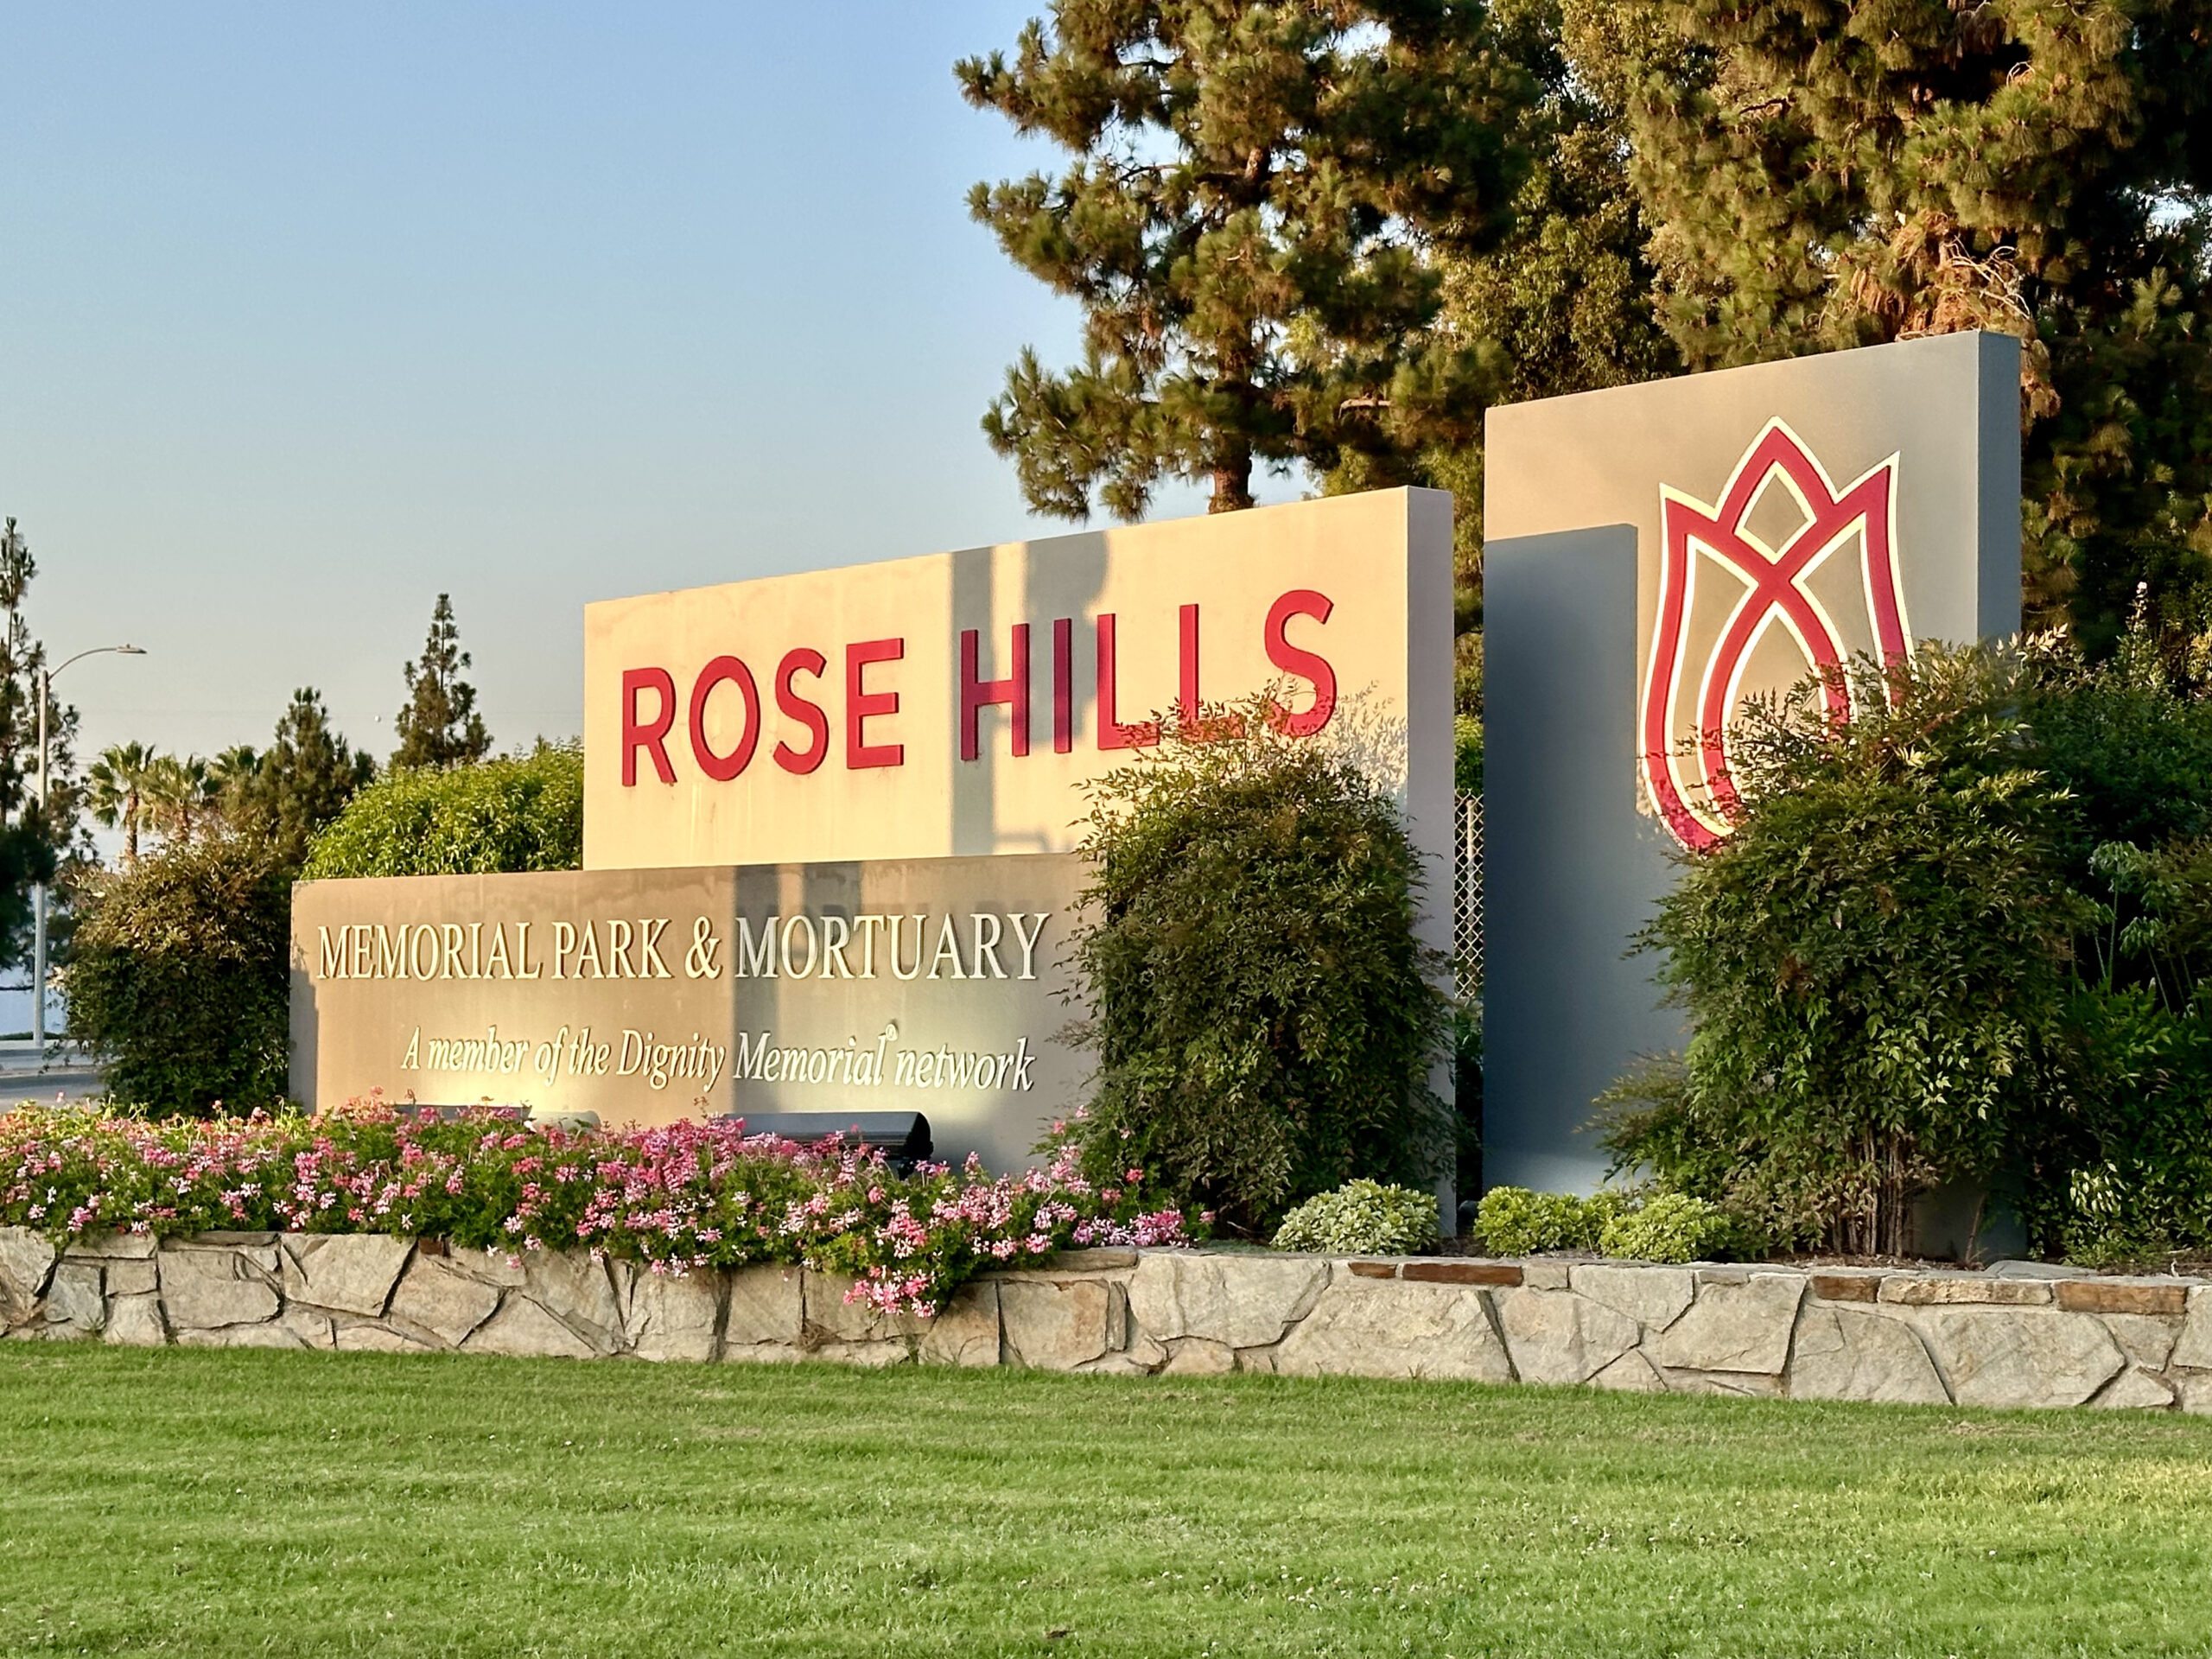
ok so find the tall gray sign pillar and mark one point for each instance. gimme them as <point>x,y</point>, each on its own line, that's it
<point>1653,555</point>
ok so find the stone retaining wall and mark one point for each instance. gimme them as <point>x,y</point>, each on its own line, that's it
<point>2019,1335</point>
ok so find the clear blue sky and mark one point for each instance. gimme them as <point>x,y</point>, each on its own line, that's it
<point>309,313</point>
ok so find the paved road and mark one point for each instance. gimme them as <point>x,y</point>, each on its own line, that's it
<point>64,1079</point>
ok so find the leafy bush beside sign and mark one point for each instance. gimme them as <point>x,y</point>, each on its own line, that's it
<point>1263,1015</point>
<point>1875,961</point>
<point>1964,936</point>
<point>179,975</point>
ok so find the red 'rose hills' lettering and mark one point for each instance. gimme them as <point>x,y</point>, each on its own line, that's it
<point>650,705</point>
<point>730,670</point>
<point>1301,601</point>
<point>1188,700</point>
<point>650,736</point>
<point>862,705</point>
<point>1063,685</point>
<point>804,660</point>
<point>977,694</point>
<point>1112,734</point>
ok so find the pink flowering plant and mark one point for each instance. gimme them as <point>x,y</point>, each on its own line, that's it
<point>684,1196</point>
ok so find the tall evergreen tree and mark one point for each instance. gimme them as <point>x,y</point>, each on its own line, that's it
<point>1254,188</point>
<point>1561,302</point>
<point>1566,294</point>
<point>439,725</point>
<point>1851,171</point>
<point>304,779</point>
<point>36,839</point>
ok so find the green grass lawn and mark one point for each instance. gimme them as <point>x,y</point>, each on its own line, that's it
<point>240,1503</point>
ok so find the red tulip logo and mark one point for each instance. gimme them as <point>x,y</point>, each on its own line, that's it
<point>1686,704</point>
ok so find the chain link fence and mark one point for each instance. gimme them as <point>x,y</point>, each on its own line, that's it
<point>1467,894</point>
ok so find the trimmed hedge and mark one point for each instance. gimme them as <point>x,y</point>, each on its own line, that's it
<point>523,813</point>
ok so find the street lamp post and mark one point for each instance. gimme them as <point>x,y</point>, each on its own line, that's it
<point>38,893</point>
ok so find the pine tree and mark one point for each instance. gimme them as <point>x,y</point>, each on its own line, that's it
<point>1560,303</point>
<point>1566,295</point>
<point>301,782</point>
<point>1851,171</point>
<point>439,725</point>
<point>1255,190</point>
<point>37,839</point>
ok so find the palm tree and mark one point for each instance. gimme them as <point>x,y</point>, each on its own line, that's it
<point>179,795</point>
<point>231,775</point>
<point>117,786</point>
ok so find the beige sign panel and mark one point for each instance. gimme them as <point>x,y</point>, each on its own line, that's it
<point>936,986</point>
<point>953,704</point>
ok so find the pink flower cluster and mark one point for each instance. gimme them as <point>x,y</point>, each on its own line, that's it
<point>685,1196</point>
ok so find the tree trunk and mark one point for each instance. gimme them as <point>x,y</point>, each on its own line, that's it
<point>1232,484</point>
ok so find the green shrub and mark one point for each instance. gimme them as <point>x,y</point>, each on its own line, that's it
<point>178,975</point>
<point>1602,1207</point>
<point>2131,747</point>
<point>2125,1172</point>
<point>524,813</point>
<point>1876,962</point>
<point>1514,1221</point>
<point>1362,1217</point>
<point>2119,1169</point>
<point>1264,1017</point>
<point>1967,936</point>
<point>1668,1227</point>
<point>1467,1084</point>
<point>1467,754</point>
<point>1634,1222</point>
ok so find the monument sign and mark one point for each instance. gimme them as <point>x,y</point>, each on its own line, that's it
<point>1654,555</point>
<point>827,819</point>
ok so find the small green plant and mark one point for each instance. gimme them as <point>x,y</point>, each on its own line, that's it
<point>1632,1222</point>
<point>1667,1227</point>
<point>1362,1217</point>
<point>1514,1221</point>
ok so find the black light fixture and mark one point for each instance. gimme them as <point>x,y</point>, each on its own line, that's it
<point>902,1137</point>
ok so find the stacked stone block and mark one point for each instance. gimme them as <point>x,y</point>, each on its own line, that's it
<point>2019,1335</point>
